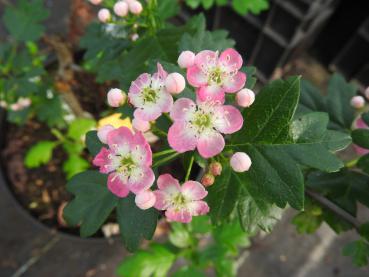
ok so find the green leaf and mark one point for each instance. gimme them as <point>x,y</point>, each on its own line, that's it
<point>74,165</point>
<point>155,262</point>
<point>93,143</point>
<point>167,9</point>
<point>364,231</point>
<point>365,118</point>
<point>250,76</point>
<point>188,271</point>
<point>179,236</point>
<point>200,225</point>
<point>23,20</point>
<point>253,6</point>
<point>79,127</point>
<point>92,204</point>
<point>39,154</point>
<point>361,137</point>
<point>363,163</point>
<point>50,111</point>
<point>135,224</point>
<point>232,236</point>
<point>359,252</point>
<point>308,221</point>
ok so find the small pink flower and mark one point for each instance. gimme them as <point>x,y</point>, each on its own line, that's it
<point>175,83</point>
<point>127,161</point>
<point>96,2</point>
<point>180,203</point>
<point>149,95</point>
<point>245,97</point>
<point>213,75</point>
<point>116,97</point>
<point>240,162</point>
<point>104,15</point>
<point>135,7</point>
<point>145,199</point>
<point>135,37</point>
<point>103,132</point>
<point>357,102</point>
<point>360,124</point>
<point>186,59</point>
<point>140,125</point>
<point>24,102</point>
<point>200,126</point>
<point>121,8</point>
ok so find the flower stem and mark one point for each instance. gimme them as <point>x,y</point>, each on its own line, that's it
<point>351,163</point>
<point>163,161</point>
<point>189,168</point>
<point>158,131</point>
<point>164,152</point>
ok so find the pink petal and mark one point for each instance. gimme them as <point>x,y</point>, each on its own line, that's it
<point>148,113</point>
<point>210,144</point>
<point>211,93</point>
<point>198,208</point>
<point>142,81</point>
<point>102,160</point>
<point>167,183</point>
<point>183,216</point>
<point>119,136</point>
<point>193,190</point>
<point>196,77</point>
<point>181,138</point>
<point>231,59</point>
<point>229,121</point>
<point>142,183</point>
<point>116,186</point>
<point>161,202</point>
<point>235,83</point>
<point>182,108</point>
<point>140,141</point>
<point>360,123</point>
<point>360,151</point>
<point>206,58</point>
<point>165,102</point>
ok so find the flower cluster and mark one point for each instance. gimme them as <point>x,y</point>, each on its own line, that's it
<point>199,124</point>
<point>21,104</point>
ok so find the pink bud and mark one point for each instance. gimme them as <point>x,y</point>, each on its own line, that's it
<point>116,97</point>
<point>245,97</point>
<point>186,59</point>
<point>215,168</point>
<point>15,107</point>
<point>145,199</point>
<point>140,125</point>
<point>135,7</point>
<point>96,2</point>
<point>121,8</point>
<point>103,132</point>
<point>357,102</point>
<point>175,83</point>
<point>135,37</point>
<point>104,15</point>
<point>367,93</point>
<point>207,180</point>
<point>24,102</point>
<point>240,162</point>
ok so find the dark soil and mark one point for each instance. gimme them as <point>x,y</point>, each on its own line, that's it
<point>42,190</point>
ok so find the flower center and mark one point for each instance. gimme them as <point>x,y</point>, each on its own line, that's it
<point>216,76</point>
<point>202,121</point>
<point>149,95</point>
<point>126,165</point>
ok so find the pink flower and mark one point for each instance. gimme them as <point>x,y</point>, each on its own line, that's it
<point>104,15</point>
<point>127,161</point>
<point>199,126</point>
<point>180,203</point>
<point>121,8</point>
<point>102,132</point>
<point>213,75</point>
<point>175,83</point>
<point>135,7</point>
<point>149,95</point>
<point>186,59</point>
<point>360,124</point>
<point>95,2</point>
<point>240,162</point>
<point>140,125</point>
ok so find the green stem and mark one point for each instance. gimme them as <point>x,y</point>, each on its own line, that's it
<point>159,132</point>
<point>159,163</point>
<point>351,163</point>
<point>189,168</point>
<point>162,153</point>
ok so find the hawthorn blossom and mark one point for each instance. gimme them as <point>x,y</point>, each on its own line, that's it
<point>213,75</point>
<point>149,95</point>
<point>200,126</point>
<point>180,203</point>
<point>240,162</point>
<point>127,161</point>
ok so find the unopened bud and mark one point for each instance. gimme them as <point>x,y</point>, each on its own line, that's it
<point>207,180</point>
<point>357,102</point>
<point>245,97</point>
<point>175,83</point>
<point>240,162</point>
<point>104,15</point>
<point>145,199</point>
<point>186,59</point>
<point>215,168</point>
<point>116,97</point>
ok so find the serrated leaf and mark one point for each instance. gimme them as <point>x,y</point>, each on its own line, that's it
<point>167,9</point>
<point>359,252</point>
<point>155,262</point>
<point>135,224</point>
<point>39,154</point>
<point>361,137</point>
<point>250,76</point>
<point>74,165</point>
<point>92,203</point>
<point>253,6</point>
<point>79,127</point>
<point>188,271</point>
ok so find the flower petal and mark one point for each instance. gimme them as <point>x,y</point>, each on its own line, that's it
<point>196,77</point>
<point>142,81</point>
<point>210,144</point>
<point>231,59</point>
<point>183,216</point>
<point>230,119</point>
<point>141,179</point>
<point>148,112</point>
<point>193,190</point>
<point>211,93</point>
<point>119,137</point>
<point>181,138</point>
<point>198,208</point>
<point>102,160</point>
<point>206,58</point>
<point>182,109</point>
<point>165,101</point>
<point>235,83</point>
<point>167,183</point>
<point>116,186</point>
<point>161,200</point>
<point>141,150</point>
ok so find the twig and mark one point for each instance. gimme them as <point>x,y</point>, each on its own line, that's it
<point>217,18</point>
<point>334,208</point>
